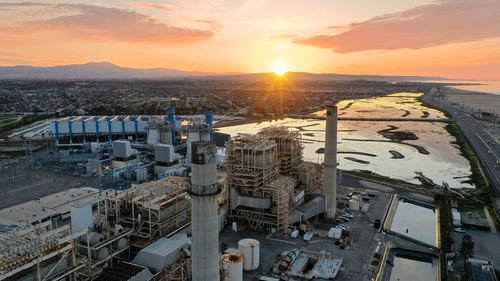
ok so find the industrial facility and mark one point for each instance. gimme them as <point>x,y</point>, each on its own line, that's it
<point>166,188</point>
<point>268,180</point>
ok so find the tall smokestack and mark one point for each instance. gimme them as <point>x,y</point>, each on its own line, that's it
<point>330,164</point>
<point>205,240</point>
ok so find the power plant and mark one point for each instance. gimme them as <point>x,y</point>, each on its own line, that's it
<point>166,187</point>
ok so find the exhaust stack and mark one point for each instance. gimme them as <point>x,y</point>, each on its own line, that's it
<point>204,212</point>
<point>330,163</point>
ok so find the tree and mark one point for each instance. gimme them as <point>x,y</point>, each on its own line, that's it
<point>467,248</point>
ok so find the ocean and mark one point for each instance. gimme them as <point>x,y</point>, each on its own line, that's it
<point>491,87</point>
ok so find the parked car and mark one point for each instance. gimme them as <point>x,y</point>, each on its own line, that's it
<point>459,230</point>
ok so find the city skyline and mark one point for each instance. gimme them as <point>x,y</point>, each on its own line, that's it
<point>386,38</point>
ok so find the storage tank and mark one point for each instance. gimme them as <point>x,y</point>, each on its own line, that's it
<point>122,243</point>
<point>250,250</point>
<point>118,229</point>
<point>233,267</point>
<point>94,238</point>
<point>99,254</point>
<point>354,204</point>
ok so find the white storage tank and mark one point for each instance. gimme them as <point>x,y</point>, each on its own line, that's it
<point>249,249</point>
<point>233,267</point>
<point>354,204</point>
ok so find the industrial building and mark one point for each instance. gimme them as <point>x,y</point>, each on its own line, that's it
<point>99,232</point>
<point>163,193</point>
<point>270,184</point>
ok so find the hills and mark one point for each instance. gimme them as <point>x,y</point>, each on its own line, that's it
<point>106,70</point>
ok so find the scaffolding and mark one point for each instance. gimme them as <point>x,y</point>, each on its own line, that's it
<point>48,253</point>
<point>153,209</point>
<point>38,247</point>
<point>280,194</point>
<point>252,162</point>
<point>289,144</point>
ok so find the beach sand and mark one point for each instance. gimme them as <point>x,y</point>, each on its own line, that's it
<point>478,101</point>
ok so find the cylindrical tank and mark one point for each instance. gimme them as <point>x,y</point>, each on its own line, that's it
<point>118,229</point>
<point>105,226</point>
<point>249,249</point>
<point>233,266</point>
<point>94,238</point>
<point>121,244</point>
<point>354,204</point>
<point>100,254</point>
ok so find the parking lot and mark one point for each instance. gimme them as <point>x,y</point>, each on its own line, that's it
<point>356,260</point>
<point>486,244</point>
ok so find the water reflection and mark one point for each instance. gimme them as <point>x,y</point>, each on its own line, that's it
<point>366,145</point>
<point>415,222</point>
<point>411,270</point>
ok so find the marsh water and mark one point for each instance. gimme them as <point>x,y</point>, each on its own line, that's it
<point>396,149</point>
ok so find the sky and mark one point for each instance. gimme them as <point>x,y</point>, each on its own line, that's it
<point>447,38</point>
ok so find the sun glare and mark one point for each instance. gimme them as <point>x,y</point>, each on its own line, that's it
<point>279,69</point>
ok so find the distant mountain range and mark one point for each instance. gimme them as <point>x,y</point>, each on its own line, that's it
<point>106,70</point>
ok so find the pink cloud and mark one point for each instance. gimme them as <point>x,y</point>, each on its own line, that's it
<point>110,24</point>
<point>213,24</point>
<point>149,5</point>
<point>35,13</point>
<point>9,5</point>
<point>448,21</point>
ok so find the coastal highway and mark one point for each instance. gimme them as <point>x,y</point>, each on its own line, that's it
<point>486,146</point>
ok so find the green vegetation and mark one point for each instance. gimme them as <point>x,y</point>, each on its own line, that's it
<point>484,190</point>
<point>6,121</point>
<point>25,120</point>
<point>446,227</point>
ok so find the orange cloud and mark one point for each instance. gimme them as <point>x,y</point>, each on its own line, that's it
<point>449,21</point>
<point>96,23</point>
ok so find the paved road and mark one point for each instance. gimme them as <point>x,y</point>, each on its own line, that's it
<point>486,147</point>
<point>356,182</point>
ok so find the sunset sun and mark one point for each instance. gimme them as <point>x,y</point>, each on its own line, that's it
<point>279,69</point>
